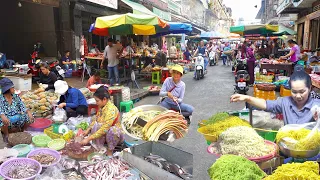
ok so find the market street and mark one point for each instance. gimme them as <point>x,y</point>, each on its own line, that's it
<point>208,96</point>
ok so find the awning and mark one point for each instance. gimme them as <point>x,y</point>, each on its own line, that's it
<point>138,8</point>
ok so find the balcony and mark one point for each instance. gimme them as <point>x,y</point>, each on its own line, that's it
<point>293,6</point>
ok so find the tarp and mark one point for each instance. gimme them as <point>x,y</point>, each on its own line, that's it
<point>284,31</point>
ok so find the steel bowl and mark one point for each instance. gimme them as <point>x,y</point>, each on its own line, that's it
<point>297,154</point>
<point>144,108</point>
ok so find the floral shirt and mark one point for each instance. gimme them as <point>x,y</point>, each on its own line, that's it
<point>106,116</point>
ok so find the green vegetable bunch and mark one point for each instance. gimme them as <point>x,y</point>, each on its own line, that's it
<point>232,167</point>
<point>217,117</point>
<point>83,125</point>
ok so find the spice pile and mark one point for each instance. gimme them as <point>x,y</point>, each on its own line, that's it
<point>243,141</point>
<point>232,167</point>
<point>298,171</point>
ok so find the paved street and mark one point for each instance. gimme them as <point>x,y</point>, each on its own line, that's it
<point>208,96</point>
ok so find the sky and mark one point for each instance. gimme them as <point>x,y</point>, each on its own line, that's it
<point>244,9</point>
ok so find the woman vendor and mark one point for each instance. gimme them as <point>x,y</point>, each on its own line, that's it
<point>296,109</point>
<point>14,116</point>
<point>294,53</point>
<point>174,88</point>
<point>71,99</point>
<point>47,77</point>
<point>105,128</point>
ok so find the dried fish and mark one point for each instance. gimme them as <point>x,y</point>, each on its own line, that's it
<point>44,159</point>
<point>22,171</point>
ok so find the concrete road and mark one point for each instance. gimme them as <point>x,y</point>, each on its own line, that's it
<point>208,96</point>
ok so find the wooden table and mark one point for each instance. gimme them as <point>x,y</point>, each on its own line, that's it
<point>286,67</point>
<point>94,58</point>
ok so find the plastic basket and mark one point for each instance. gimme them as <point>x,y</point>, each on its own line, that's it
<point>208,137</point>
<point>23,149</point>
<point>269,135</point>
<point>15,162</point>
<point>48,131</point>
<point>41,140</point>
<point>57,144</point>
<point>51,152</point>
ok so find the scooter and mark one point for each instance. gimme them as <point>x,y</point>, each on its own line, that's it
<point>242,78</point>
<point>199,67</point>
<point>212,58</point>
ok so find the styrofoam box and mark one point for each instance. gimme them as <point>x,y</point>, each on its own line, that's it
<point>21,83</point>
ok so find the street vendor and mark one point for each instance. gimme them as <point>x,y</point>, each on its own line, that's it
<point>71,99</point>
<point>47,77</point>
<point>174,88</point>
<point>296,109</point>
<point>105,127</point>
<point>294,53</point>
<point>14,116</point>
<point>66,61</point>
<point>95,79</point>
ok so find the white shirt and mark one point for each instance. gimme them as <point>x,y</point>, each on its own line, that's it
<point>111,54</point>
<point>233,46</point>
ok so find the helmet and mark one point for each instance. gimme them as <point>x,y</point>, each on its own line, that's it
<point>177,68</point>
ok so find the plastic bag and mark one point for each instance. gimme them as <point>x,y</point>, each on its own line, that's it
<point>264,120</point>
<point>60,115</point>
<point>51,173</point>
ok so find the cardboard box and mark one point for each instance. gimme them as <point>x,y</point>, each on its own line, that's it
<point>22,83</point>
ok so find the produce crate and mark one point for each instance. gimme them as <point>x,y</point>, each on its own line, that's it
<point>48,131</point>
<point>269,135</point>
<point>171,154</point>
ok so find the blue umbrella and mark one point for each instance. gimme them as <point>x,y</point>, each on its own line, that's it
<point>175,28</point>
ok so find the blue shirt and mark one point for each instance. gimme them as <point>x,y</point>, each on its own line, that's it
<point>178,91</point>
<point>74,98</point>
<point>291,114</point>
<point>65,59</point>
<point>227,48</point>
<point>202,50</point>
<point>187,55</point>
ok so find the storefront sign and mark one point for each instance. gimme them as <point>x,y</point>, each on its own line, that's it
<point>283,5</point>
<point>172,5</point>
<point>108,3</point>
<point>54,3</point>
<point>162,14</point>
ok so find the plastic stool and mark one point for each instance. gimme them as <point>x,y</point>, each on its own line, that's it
<point>156,77</point>
<point>92,106</point>
<point>164,75</point>
<point>127,105</point>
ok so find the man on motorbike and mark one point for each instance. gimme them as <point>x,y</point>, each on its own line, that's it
<point>203,51</point>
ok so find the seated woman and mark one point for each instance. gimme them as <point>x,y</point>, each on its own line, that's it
<point>47,77</point>
<point>14,116</point>
<point>71,99</point>
<point>174,88</point>
<point>105,128</point>
<point>95,79</point>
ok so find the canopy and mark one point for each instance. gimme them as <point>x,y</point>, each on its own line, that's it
<point>175,28</point>
<point>138,8</point>
<point>212,35</point>
<point>233,36</point>
<point>254,29</point>
<point>125,24</point>
<point>284,31</point>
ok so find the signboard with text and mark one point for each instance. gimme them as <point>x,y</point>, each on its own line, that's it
<point>108,3</point>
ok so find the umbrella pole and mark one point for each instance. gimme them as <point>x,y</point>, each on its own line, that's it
<point>250,114</point>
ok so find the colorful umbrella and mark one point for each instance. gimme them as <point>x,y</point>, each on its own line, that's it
<point>125,24</point>
<point>261,29</point>
<point>175,28</point>
<point>284,31</point>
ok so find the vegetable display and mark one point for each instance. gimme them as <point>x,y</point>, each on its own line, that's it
<point>299,135</point>
<point>297,171</point>
<point>107,170</point>
<point>83,125</point>
<point>243,141</point>
<point>22,171</point>
<point>217,117</point>
<point>43,159</point>
<point>166,121</point>
<point>217,128</point>
<point>129,120</point>
<point>232,167</point>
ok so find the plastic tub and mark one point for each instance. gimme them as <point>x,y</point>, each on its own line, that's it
<point>6,166</point>
<point>23,149</point>
<point>54,153</point>
<point>41,140</point>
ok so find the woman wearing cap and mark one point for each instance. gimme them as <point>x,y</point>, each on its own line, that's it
<point>105,128</point>
<point>14,116</point>
<point>71,99</point>
<point>47,77</point>
<point>173,90</point>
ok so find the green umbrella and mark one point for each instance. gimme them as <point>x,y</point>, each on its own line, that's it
<point>258,29</point>
<point>284,31</point>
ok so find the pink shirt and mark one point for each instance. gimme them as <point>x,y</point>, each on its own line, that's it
<point>92,81</point>
<point>296,55</point>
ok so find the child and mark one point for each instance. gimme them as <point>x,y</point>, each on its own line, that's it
<point>95,79</point>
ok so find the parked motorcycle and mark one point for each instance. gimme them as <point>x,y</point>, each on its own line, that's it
<point>242,77</point>
<point>212,58</point>
<point>199,67</point>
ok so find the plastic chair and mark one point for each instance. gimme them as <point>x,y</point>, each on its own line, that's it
<point>156,77</point>
<point>92,106</point>
<point>126,105</point>
<point>164,75</point>
<point>10,63</point>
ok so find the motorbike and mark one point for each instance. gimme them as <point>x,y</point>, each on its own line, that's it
<point>242,78</point>
<point>212,58</point>
<point>199,67</point>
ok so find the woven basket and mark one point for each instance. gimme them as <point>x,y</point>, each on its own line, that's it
<point>266,87</point>
<point>51,152</point>
<point>15,162</point>
<point>41,140</point>
<point>19,138</point>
